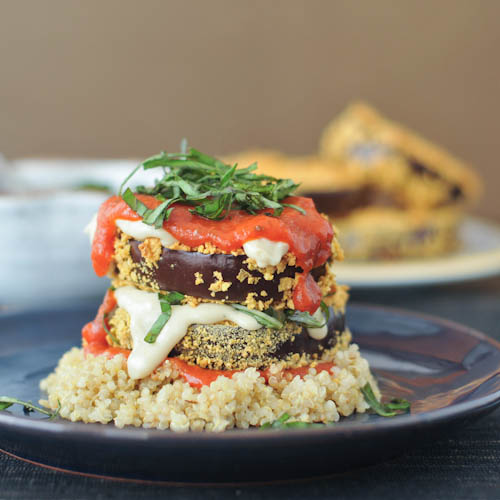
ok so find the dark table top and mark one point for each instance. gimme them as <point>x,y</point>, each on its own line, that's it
<point>462,465</point>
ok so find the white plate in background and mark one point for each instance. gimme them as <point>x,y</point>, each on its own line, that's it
<point>479,257</point>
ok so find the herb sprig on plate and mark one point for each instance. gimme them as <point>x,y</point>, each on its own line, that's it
<point>284,423</point>
<point>391,409</point>
<point>28,406</point>
<point>210,186</point>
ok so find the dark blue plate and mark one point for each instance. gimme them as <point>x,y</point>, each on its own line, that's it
<point>450,373</point>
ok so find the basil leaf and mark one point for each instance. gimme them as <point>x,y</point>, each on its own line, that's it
<point>396,407</point>
<point>260,317</point>
<point>166,302</point>
<point>206,159</point>
<point>277,314</point>
<point>135,204</point>
<point>107,330</point>
<point>277,423</point>
<point>398,404</point>
<point>326,311</point>
<point>306,319</point>
<point>173,297</point>
<point>296,207</point>
<point>155,214</point>
<point>284,423</point>
<point>227,176</point>
<point>160,322</point>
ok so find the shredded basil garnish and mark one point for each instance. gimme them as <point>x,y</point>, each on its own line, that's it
<point>395,407</point>
<point>326,311</point>
<point>211,186</point>
<point>307,319</point>
<point>262,318</point>
<point>276,319</point>
<point>107,330</point>
<point>166,302</point>
<point>284,423</point>
<point>295,207</point>
<point>28,406</point>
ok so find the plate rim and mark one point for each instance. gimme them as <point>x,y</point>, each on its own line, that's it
<point>352,272</point>
<point>132,435</point>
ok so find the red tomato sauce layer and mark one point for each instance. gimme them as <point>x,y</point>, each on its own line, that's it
<point>198,377</point>
<point>94,333</point>
<point>308,236</point>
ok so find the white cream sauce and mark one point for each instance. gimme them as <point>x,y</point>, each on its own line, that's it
<point>265,252</point>
<point>318,333</point>
<point>140,231</point>
<point>144,309</point>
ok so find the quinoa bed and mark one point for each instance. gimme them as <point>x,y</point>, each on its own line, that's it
<point>98,389</point>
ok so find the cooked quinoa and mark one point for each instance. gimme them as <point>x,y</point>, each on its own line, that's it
<point>98,389</point>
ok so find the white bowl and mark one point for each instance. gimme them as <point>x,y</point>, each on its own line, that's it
<point>44,253</point>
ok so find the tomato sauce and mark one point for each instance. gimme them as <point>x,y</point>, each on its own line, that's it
<point>94,334</point>
<point>307,294</point>
<point>308,236</point>
<point>197,377</point>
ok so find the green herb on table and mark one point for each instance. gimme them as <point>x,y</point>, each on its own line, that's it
<point>395,407</point>
<point>210,186</point>
<point>167,300</point>
<point>28,406</point>
<point>262,318</point>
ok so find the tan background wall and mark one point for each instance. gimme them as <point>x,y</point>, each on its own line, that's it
<point>129,78</point>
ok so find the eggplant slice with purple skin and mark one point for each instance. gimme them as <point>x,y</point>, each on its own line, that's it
<point>176,271</point>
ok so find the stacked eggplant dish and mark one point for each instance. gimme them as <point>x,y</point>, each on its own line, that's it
<point>223,309</point>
